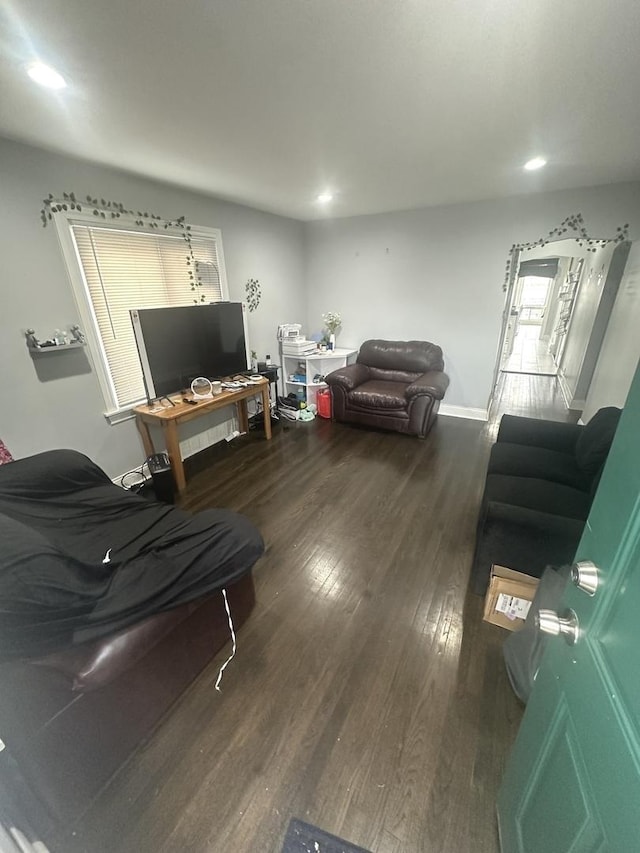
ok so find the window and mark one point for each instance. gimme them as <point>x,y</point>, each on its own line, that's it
<point>533,298</point>
<point>116,269</point>
<point>534,291</point>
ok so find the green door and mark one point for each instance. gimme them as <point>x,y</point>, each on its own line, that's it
<point>572,784</point>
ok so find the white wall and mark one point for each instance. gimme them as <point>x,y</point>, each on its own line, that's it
<point>564,250</point>
<point>552,310</point>
<point>620,350</point>
<point>434,273</point>
<point>60,405</point>
<point>590,290</point>
<point>437,273</point>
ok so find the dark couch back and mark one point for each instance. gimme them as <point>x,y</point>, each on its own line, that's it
<point>401,361</point>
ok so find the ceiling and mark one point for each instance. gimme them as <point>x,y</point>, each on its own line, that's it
<point>391,104</point>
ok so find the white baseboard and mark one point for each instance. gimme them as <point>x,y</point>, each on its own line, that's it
<point>464,412</point>
<point>571,402</point>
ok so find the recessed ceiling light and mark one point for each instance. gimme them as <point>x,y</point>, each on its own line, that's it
<point>536,163</point>
<point>46,76</point>
<point>324,198</point>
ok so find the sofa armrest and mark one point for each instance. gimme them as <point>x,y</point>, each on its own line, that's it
<point>348,377</point>
<point>51,473</point>
<point>433,383</point>
<point>532,432</point>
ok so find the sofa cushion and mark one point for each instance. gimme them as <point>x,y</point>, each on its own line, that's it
<point>379,394</point>
<point>415,357</point>
<point>537,494</point>
<point>592,447</point>
<point>526,540</point>
<point>518,460</point>
<point>43,590</point>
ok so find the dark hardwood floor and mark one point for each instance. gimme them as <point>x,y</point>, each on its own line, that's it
<point>367,695</point>
<point>531,396</point>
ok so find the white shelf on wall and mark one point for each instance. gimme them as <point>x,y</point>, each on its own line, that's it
<point>320,363</point>
<point>57,348</point>
<point>74,339</point>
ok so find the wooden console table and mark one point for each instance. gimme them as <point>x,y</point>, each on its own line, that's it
<point>170,417</point>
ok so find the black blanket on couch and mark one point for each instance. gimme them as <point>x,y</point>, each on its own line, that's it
<point>81,558</point>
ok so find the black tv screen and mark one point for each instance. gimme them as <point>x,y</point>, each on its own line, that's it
<point>178,344</point>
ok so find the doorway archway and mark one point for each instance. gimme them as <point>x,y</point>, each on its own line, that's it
<point>575,267</point>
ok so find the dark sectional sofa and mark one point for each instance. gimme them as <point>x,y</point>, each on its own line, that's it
<point>541,480</point>
<point>110,606</point>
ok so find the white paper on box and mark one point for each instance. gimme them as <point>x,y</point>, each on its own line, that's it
<point>512,607</point>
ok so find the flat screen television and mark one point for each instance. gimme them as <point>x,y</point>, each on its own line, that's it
<point>178,344</point>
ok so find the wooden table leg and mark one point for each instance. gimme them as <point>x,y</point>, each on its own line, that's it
<point>266,408</point>
<point>173,449</point>
<point>243,416</point>
<point>145,435</point>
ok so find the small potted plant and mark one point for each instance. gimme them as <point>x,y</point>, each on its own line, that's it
<point>332,322</point>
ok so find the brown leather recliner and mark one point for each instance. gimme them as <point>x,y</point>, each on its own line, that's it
<point>394,385</point>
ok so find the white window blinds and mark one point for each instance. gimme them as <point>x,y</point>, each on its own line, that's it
<point>132,269</point>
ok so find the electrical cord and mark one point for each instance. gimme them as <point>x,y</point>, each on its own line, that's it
<point>139,472</point>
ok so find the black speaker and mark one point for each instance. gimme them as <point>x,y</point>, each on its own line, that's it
<point>160,470</point>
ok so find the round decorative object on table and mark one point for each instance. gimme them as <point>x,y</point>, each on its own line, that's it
<point>202,388</point>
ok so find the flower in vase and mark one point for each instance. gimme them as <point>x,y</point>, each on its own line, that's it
<point>332,321</point>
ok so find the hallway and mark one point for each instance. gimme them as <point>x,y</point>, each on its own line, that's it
<point>529,396</point>
<point>529,354</point>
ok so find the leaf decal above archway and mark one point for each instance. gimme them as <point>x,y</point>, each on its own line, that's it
<point>572,227</point>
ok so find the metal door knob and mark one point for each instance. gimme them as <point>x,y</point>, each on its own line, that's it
<point>566,625</point>
<point>584,574</point>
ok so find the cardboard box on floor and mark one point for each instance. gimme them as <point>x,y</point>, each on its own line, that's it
<point>508,598</point>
